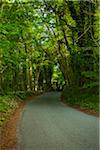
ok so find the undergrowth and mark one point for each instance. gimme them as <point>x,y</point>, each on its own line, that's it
<point>83,97</point>
<point>10,102</point>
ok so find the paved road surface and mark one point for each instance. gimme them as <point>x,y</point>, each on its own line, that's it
<point>46,124</point>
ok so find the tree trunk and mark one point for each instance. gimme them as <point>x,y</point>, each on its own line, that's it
<point>31,75</point>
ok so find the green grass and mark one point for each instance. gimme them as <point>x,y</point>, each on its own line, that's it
<point>84,98</point>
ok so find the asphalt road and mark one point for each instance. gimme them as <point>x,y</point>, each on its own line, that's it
<point>46,124</point>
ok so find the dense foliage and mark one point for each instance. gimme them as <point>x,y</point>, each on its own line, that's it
<point>46,44</point>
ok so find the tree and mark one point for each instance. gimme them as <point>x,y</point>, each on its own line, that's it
<point>37,35</point>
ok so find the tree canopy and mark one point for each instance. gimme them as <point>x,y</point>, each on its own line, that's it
<point>48,42</point>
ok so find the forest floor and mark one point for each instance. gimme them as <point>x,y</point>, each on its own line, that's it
<point>8,130</point>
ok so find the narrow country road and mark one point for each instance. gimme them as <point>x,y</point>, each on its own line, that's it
<point>46,124</point>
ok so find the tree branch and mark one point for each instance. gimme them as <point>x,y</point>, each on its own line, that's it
<point>82,34</point>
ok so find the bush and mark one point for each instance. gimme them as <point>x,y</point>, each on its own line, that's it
<point>23,94</point>
<point>85,98</point>
<point>7,104</point>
